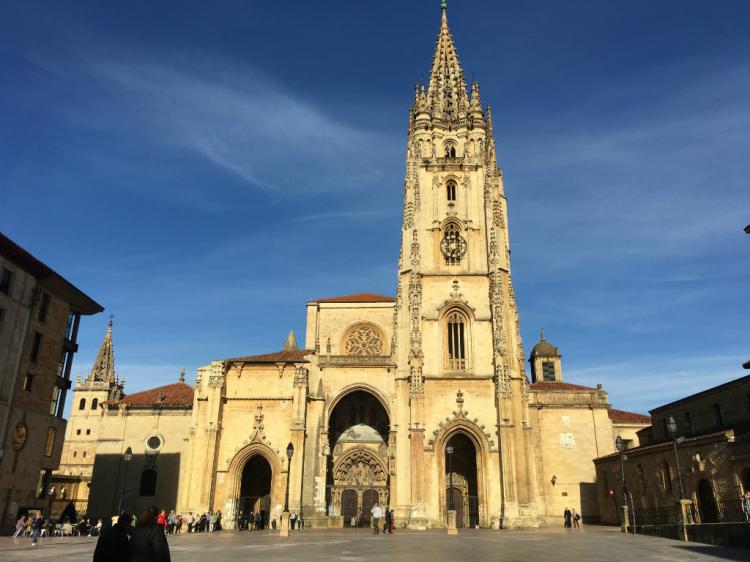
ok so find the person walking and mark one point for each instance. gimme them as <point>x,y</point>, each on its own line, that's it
<point>191,522</point>
<point>387,524</point>
<point>149,543</point>
<point>376,513</point>
<point>567,515</point>
<point>393,523</point>
<point>113,544</point>
<point>161,520</point>
<point>20,524</point>
<point>576,518</point>
<point>256,521</point>
<point>36,527</point>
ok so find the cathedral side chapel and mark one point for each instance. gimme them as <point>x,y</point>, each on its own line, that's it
<point>419,401</point>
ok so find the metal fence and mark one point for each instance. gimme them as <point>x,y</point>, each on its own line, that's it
<point>731,511</point>
<point>657,515</point>
<point>57,506</point>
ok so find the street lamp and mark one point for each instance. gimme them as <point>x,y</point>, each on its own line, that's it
<point>449,452</point>
<point>672,428</point>
<point>126,457</point>
<point>620,445</point>
<point>289,453</point>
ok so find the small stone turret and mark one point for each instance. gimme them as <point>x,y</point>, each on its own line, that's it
<point>545,362</point>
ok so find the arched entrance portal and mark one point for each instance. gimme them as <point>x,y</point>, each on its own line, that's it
<point>706,502</point>
<point>255,490</point>
<point>461,480</point>
<point>357,469</point>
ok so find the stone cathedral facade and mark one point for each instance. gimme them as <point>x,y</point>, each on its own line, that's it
<point>385,386</point>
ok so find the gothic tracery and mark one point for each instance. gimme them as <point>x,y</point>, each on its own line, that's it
<point>364,339</point>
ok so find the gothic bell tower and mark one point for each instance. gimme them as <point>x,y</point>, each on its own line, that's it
<point>456,325</point>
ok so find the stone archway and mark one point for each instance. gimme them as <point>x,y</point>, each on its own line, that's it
<point>256,486</point>
<point>706,502</point>
<point>470,459</point>
<point>253,480</point>
<point>461,475</point>
<point>357,470</point>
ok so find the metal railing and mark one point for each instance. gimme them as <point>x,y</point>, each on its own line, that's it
<point>731,511</point>
<point>668,515</point>
<point>57,506</point>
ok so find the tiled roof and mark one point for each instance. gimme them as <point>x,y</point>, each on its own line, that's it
<point>621,416</point>
<point>177,394</point>
<point>548,386</point>
<point>296,356</point>
<point>359,297</point>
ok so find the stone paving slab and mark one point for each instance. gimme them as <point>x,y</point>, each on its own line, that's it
<point>590,544</point>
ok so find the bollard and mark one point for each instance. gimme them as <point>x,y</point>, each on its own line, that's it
<point>284,524</point>
<point>625,521</point>
<point>452,522</point>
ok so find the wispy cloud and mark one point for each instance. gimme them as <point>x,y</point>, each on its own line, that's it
<point>348,215</point>
<point>650,381</point>
<point>239,119</point>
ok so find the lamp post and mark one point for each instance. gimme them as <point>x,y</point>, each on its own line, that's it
<point>620,445</point>
<point>284,529</point>
<point>289,453</point>
<point>451,509</point>
<point>449,452</point>
<point>126,457</point>
<point>684,504</point>
<point>672,428</point>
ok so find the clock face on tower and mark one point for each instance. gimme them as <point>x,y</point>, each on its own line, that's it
<point>453,246</point>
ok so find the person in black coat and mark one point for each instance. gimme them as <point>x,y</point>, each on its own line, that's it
<point>149,543</point>
<point>113,543</point>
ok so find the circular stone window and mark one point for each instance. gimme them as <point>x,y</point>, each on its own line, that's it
<point>154,442</point>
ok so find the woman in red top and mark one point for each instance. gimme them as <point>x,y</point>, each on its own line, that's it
<point>162,520</point>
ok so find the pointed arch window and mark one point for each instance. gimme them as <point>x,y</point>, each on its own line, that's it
<point>451,191</point>
<point>666,477</point>
<point>450,149</point>
<point>456,329</point>
<point>94,403</point>
<point>82,404</point>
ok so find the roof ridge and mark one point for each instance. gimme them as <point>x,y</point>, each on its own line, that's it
<point>357,297</point>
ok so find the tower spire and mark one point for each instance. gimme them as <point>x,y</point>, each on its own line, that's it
<point>103,368</point>
<point>447,87</point>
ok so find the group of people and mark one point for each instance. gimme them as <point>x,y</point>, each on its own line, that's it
<point>257,521</point>
<point>572,519</point>
<point>382,515</point>
<point>128,542</point>
<point>37,525</point>
<point>32,525</point>
<point>173,523</point>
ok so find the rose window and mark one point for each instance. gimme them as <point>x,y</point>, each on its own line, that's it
<point>364,340</point>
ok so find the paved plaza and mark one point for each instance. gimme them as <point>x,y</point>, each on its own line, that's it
<point>590,544</point>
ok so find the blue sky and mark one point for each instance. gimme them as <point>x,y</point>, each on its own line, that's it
<point>182,163</point>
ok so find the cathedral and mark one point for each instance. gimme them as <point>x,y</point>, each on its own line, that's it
<point>421,401</point>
